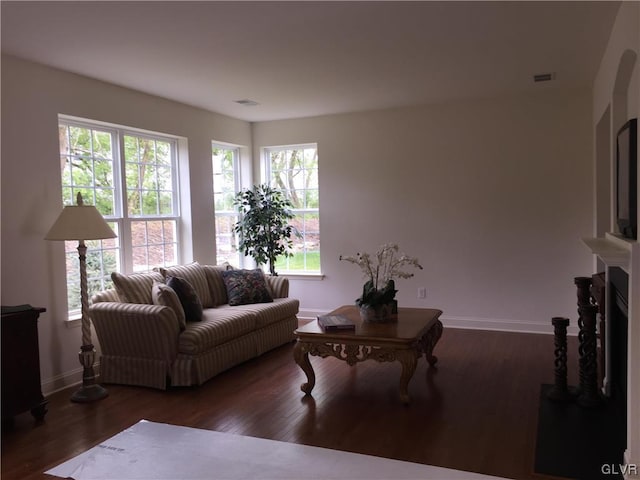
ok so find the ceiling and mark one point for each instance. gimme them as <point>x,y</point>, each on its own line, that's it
<point>299,59</point>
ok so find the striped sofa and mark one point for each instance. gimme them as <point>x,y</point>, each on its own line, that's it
<point>143,344</point>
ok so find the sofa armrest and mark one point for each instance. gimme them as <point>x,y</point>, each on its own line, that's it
<point>279,286</point>
<point>136,330</point>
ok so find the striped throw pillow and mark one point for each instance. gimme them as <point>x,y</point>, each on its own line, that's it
<point>166,296</point>
<point>216,283</point>
<point>135,288</point>
<point>194,274</point>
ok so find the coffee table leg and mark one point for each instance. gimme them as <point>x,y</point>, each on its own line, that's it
<point>408,359</point>
<point>429,342</point>
<point>301,356</point>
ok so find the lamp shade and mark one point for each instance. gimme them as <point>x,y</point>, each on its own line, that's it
<point>80,222</point>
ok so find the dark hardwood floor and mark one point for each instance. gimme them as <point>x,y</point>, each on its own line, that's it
<point>477,411</point>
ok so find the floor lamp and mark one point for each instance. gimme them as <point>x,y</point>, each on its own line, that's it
<point>83,222</point>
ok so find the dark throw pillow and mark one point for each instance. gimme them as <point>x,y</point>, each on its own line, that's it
<point>189,300</point>
<point>246,286</point>
<point>165,295</point>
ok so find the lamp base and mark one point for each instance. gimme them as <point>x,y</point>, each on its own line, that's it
<point>90,390</point>
<point>89,394</point>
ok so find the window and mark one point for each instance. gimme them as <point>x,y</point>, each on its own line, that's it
<point>294,170</point>
<point>131,179</point>
<point>87,163</point>
<point>151,201</point>
<point>225,187</point>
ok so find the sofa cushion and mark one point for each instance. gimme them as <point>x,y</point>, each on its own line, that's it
<point>194,274</point>
<point>246,287</point>
<point>135,288</point>
<point>164,295</point>
<point>278,285</point>
<point>109,295</point>
<point>216,283</point>
<point>268,313</point>
<point>188,298</point>
<point>218,326</point>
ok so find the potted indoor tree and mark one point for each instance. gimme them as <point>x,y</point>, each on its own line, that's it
<point>263,228</point>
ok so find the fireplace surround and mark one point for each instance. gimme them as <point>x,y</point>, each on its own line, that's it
<point>614,297</point>
<point>621,260</point>
<point>617,341</point>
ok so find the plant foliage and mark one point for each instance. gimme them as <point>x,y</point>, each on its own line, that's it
<point>371,296</point>
<point>263,229</point>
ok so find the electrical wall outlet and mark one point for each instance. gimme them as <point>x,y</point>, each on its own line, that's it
<point>422,292</point>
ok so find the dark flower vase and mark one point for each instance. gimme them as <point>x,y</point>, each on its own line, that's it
<point>384,313</point>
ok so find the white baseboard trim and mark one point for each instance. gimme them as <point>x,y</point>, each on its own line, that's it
<point>473,323</point>
<point>60,382</point>
<point>501,325</point>
<point>72,378</point>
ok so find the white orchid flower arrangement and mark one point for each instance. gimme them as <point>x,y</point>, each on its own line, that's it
<point>380,270</point>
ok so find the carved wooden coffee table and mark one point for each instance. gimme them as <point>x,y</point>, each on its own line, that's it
<point>416,331</point>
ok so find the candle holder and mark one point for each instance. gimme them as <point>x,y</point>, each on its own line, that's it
<point>588,395</point>
<point>560,390</point>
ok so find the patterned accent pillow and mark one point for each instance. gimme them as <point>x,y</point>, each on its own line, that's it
<point>246,286</point>
<point>135,288</point>
<point>188,298</point>
<point>166,296</point>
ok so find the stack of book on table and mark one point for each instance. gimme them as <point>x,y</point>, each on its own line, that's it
<point>330,323</point>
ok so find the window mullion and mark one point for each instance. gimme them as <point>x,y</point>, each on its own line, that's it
<point>177,212</point>
<point>125,222</point>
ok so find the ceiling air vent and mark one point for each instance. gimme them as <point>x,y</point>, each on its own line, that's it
<point>544,77</point>
<point>247,103</point>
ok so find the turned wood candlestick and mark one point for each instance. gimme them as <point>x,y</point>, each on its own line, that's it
<point>560,390</point>
<point>588,395</point>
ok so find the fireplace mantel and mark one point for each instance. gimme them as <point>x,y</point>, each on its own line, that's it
<point>613,250</point>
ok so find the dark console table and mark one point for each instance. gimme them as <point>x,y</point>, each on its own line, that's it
<point>21,390</point>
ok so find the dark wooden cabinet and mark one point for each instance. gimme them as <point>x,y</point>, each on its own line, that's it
<point>21,390</point>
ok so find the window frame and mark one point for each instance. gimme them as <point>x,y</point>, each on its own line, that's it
<point>239,259</point>
<point>128,219</point>
<point>121,218</point>
<point>267,174</point>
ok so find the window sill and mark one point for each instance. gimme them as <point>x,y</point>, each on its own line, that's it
<point>302,275</point>
<point>74,321</point>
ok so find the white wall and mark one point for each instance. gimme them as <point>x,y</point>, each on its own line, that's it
<point>493,196</point>
<point>32,268</point>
